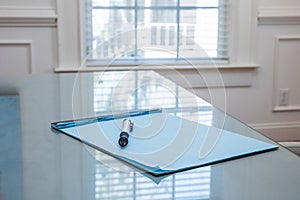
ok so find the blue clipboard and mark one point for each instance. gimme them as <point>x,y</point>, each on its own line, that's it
<point>161,144</point>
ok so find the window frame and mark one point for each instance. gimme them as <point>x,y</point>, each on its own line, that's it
<point>71,43</point>
<point>220,57</point>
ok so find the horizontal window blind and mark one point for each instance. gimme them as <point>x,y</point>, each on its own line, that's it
<point>145,30</point>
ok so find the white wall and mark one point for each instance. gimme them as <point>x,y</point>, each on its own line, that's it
<point>33,39</point>
<point>278,50</point>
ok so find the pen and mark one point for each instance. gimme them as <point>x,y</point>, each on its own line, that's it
<point>124,135</point>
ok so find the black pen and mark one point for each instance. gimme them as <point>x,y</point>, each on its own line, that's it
<point>124,135</point>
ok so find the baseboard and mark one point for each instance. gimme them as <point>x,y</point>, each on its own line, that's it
<point>291,144</point>
<point>279,131</point>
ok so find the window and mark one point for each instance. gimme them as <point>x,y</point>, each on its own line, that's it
<point>156,30</point>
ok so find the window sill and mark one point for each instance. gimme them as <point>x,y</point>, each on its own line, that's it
<point>127,67</point>
<point>198,76</point>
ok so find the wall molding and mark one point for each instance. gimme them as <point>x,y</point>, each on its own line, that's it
<point>28,44</point>
<point>286,108</point>
<point>279,131</point>
<point>276,125</point>
<point>276,106</point>
<point>279,16</point>
<point>290,144</point>
<point>28,17</point>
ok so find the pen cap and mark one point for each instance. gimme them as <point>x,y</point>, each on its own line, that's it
<point>127,125</point>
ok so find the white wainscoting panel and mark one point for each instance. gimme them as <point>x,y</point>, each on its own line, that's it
<point>16,56</point>
<point>28,37</point>
<point>43,48</point>
<point>286,72</point>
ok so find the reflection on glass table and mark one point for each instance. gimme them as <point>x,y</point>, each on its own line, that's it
<point>161,143</point>
<point>58,167</point>
<point>147,92</point>
<point>138,91</point>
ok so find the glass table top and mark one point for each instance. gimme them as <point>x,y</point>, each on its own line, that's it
<point>35,163</point>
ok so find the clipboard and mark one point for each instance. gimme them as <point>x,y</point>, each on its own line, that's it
<point>160,143</point>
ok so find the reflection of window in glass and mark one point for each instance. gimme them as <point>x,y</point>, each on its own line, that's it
<point>190,35</point>
<point>123,91</point>
<point>163,16</point>
<point>114,184</point>
<point>116,27</point>
<point>153,35</point>
<point>111,92</point>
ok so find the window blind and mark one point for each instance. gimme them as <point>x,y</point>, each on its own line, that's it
<point>147,30</point>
